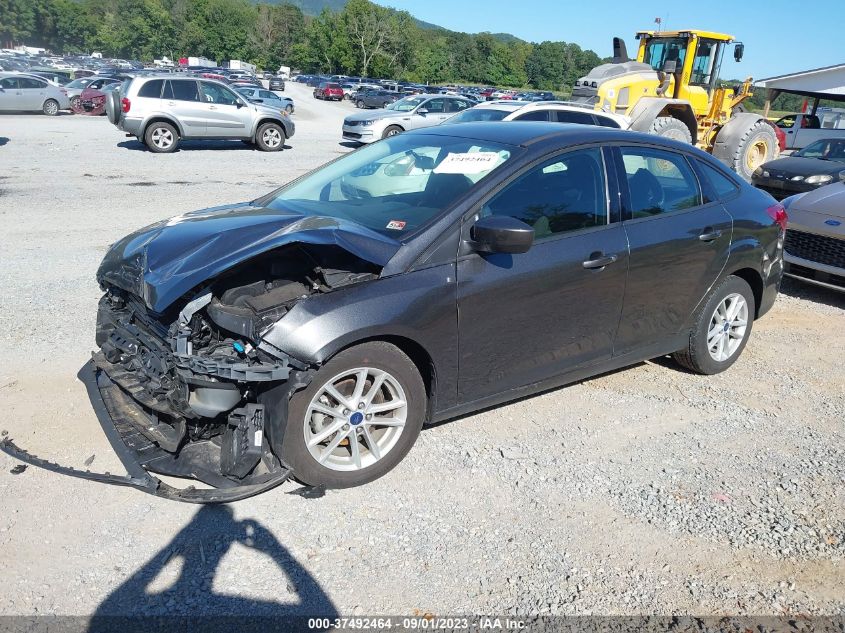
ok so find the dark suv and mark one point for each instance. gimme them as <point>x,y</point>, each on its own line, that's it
<point>374,98</point>
<point>314,330</point>
<point>277,83</point>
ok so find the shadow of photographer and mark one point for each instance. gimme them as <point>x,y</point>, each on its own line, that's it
<point>191,603</point>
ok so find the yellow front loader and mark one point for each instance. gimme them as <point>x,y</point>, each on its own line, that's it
<point>672,89</point>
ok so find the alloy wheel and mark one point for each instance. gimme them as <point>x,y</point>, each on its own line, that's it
<point>271,137</point>
<point>162,138</point>
<point>727,327</point>
<point>355,419</point>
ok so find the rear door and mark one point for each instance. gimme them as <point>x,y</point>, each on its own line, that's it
<point>679,244</point>
<point>181,98</point>
<point>226,115</point>
<point>11,97</point>
<point>524,318</point>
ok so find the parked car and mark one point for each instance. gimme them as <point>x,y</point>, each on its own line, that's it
<point>409,113</point>
<point>819,164</point>
<point>802,129</point>
<point>26,93</point>
<point>329,91</point>
<point>75,88</point>
<point>93,100</point>
<point>161,112</point>
<point>313,331</point>
<point>780,134</point>
<point>815,238</point>
<point>277,83</point>
<point>260,95</point>
<point>374,98</point>
<point>554,111</point>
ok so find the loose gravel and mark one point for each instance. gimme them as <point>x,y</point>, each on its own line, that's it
<point>647,490</point>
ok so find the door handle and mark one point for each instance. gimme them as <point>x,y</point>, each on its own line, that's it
<point>212,107</point>
<point>599,261</point>
<point>171,103</point>
<point>709,235</point>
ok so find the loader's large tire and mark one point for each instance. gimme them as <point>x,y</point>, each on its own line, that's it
<point>670,127</point>
<point>746,149</point>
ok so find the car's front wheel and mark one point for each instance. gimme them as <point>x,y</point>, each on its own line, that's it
<point>722,328</point>
<point>51,107</point>
<point>357,419</point>
<point>270,137</point>
<point>392,130</point>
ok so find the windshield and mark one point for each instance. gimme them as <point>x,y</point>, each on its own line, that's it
<point>479,114</point>
<point>397,185</point>
<point>830,149</point>
<point>660,50</point>
<point>79,83</point>
<point>407,104</point>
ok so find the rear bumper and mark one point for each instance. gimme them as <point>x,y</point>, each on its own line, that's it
<point>120,417</point>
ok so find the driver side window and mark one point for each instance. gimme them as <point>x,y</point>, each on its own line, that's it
<point>658,182</point>
<point>435,105</point>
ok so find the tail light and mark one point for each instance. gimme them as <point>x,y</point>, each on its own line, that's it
<point>778,214</point>
<point>125,104</point>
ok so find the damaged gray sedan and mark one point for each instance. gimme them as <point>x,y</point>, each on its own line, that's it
<point>312,332</point>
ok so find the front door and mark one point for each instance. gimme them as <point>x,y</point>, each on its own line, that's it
<point>33,92</point>
<point>527,317</point>
<point>678,245</point>
<point>226,114</point>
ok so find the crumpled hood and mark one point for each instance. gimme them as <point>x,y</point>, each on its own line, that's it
<point>163,261</point>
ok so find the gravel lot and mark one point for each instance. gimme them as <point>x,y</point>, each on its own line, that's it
<point>648,490</point>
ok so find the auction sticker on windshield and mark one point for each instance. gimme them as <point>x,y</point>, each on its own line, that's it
<point>397,225</point>
<point>469,163</point>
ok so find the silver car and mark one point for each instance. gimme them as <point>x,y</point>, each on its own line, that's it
<point>410,113</point>
<point>28,93</point>
<point>815,236</point>
<point>268,98</point>
<point>162,111</point>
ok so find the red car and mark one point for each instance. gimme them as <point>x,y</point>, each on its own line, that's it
<point>780,134</point>
<point>330,91</point>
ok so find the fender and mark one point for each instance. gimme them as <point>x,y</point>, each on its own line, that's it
<point>158,116</point>
<point>649,108</point>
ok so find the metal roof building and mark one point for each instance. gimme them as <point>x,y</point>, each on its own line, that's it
<point>819,83</point>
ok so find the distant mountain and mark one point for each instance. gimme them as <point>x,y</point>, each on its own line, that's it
<point>315,7</point>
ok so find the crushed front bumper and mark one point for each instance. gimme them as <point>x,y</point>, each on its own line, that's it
<point>140,457</point>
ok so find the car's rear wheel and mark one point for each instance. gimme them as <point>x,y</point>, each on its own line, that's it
<point>161,138</point>
<point>270,137</point>
<point>50,107</point>
<point>359,104</point>
<point>357,419</point>
<point>391,130</point>
<point>721,329</point>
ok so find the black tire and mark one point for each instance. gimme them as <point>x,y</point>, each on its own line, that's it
<point>670,127</point>
<point>161,137</point>
<point>74,103</point>
<point>696,356</point>
<point>270,137</point>
<point>392,130</point>
<point>757,144</point>
<point>377,355</point>
<point>50,107</point>
<point>359,104</point>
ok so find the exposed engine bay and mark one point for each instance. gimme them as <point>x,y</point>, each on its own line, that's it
<point>188,389</point>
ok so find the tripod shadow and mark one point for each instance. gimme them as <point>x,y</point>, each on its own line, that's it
<point>191,599</point>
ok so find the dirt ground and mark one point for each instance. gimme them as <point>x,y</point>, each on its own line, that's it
<point>647,490</point>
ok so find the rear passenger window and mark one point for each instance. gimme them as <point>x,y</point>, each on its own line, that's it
<point>182,90</point>
<point>566,193</point>
<point>565,116</point>
<point>721,184</point>
<point>605,122</point>
<point>151,89</point>
<point>32,84</point>
<point>534,115</point>
<point>659,182</point>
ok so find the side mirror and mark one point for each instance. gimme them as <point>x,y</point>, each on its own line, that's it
<point>240,104</point>
<point>501,234</point>
<point>739,49</point>
<point>422,111</point>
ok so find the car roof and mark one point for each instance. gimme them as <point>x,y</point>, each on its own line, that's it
<point>531,133</point>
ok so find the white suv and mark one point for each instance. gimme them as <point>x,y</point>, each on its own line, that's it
<point>555,111</point>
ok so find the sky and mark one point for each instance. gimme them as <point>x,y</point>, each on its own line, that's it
<point>780,36</point>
